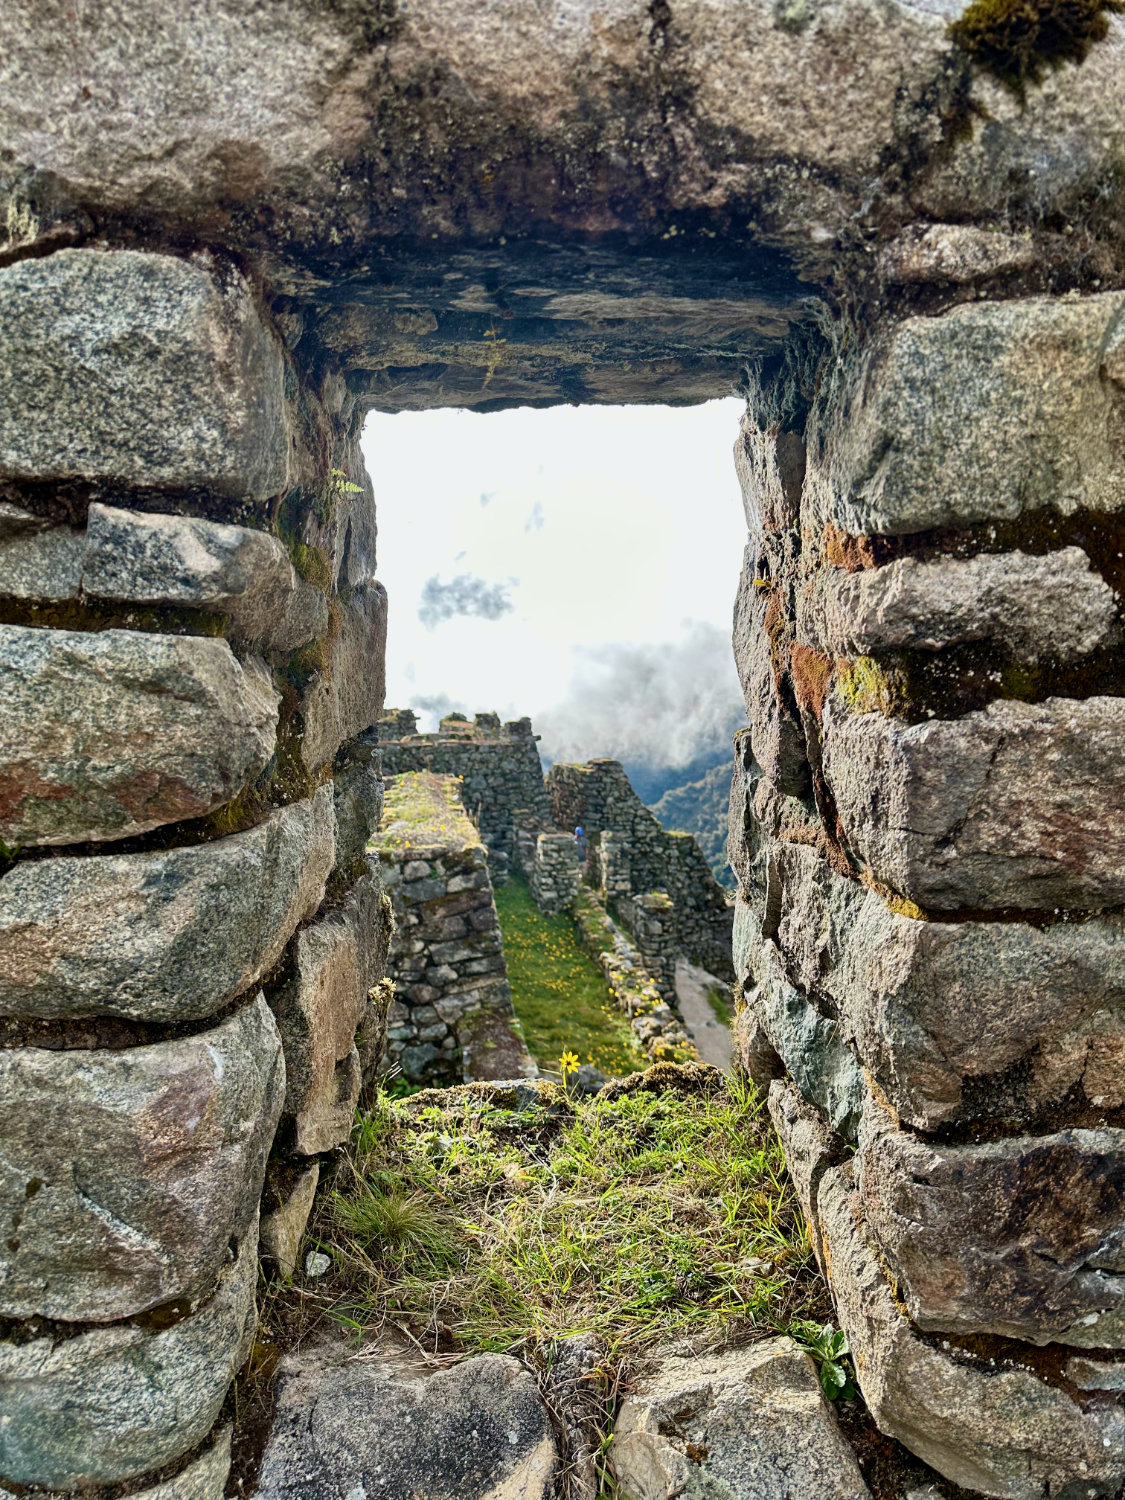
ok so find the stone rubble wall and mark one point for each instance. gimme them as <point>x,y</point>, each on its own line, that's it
<point>499,767</point>
<point>634,991</point>
<point>651,920</point>
<point>550,862</point>
<point>191,932</point>
<point>452,1001</point>
<point>659,883</point>
<point>631,855</point>
<point>926,828</point>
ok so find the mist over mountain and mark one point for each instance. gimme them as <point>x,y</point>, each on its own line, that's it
<point>700,807</point>
<point>657,708</point>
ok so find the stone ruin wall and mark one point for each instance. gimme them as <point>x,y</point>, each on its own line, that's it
<point>502,779</point>
<point>926,824</point>
<point>191,932</point>
<point>450,1020</point>
<point>223,241</point>
<point>502,783</point>
<point>660,883</point>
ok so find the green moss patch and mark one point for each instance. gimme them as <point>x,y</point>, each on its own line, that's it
<point>559,994</point>
<point>1018,40</point>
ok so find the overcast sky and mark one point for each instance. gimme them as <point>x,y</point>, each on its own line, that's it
<point>577,564</point>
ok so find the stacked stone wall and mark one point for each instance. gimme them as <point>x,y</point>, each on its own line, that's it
<point>926,814</point>
<point>634,991</point>
<point>652,921</point>
<point>451,1020</point>
<point>631,855</point>
<point>191,645</point>
<point>499,767</point>
<point>926,827</point>
<point>549,862</point>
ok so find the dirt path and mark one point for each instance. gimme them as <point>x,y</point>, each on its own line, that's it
<point>707,1032</point>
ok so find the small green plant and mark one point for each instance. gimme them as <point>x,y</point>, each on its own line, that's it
<point>829,1347</point>
<point>343,485</point>
<point>719,999</point>
<point>494,357</point>
<point>402,1228</point>
<point>312,564</point>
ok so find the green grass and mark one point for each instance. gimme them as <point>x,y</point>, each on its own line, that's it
<point>421,809</point>
<point>719,999</point>
<point>662,1211</point>
<point>558,991</point>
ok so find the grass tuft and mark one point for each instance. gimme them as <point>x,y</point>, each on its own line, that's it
<point>636,1216</point>
<point>402,1228</point>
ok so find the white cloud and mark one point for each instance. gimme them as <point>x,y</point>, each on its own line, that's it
<point>624,528</point>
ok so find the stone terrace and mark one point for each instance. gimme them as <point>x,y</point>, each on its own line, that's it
<point>451,1019</point>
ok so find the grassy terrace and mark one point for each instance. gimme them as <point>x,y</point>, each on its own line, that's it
<point>420,811</point>
<point>560,997</point>
<point>479,1221</point>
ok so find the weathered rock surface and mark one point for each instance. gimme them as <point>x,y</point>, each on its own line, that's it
<point>1006,807</point>
<point>37,559</point>
<point>1095,1374</point>
<point>387,1425</point>
<point>229,570</point>
<point>1054,605</point>
<point>811,1044</point>
<point>346,696</point>
<point>168,936</point>
<point>776,736</point>
<point>151,1167</point>
<point>318,1009</point>
<point>309,144</point>
<point>142,369</point>
<point>284,1226</point>
<point>205,1478</point>
<point>118,1402</point>
<point>743,1424</point>
<point>770,465</point>
<point>954,1019</point>
<point>987,1425</point>
<point>1022,1236</point>
<point>357,790</point>
<point>1003,1431</point>
<point>111,734</point>
<point>493,1048</point>
<point>989,411</point>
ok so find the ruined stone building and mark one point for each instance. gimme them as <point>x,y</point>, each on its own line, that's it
<point>229,231</point>
<point>496,812</point>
